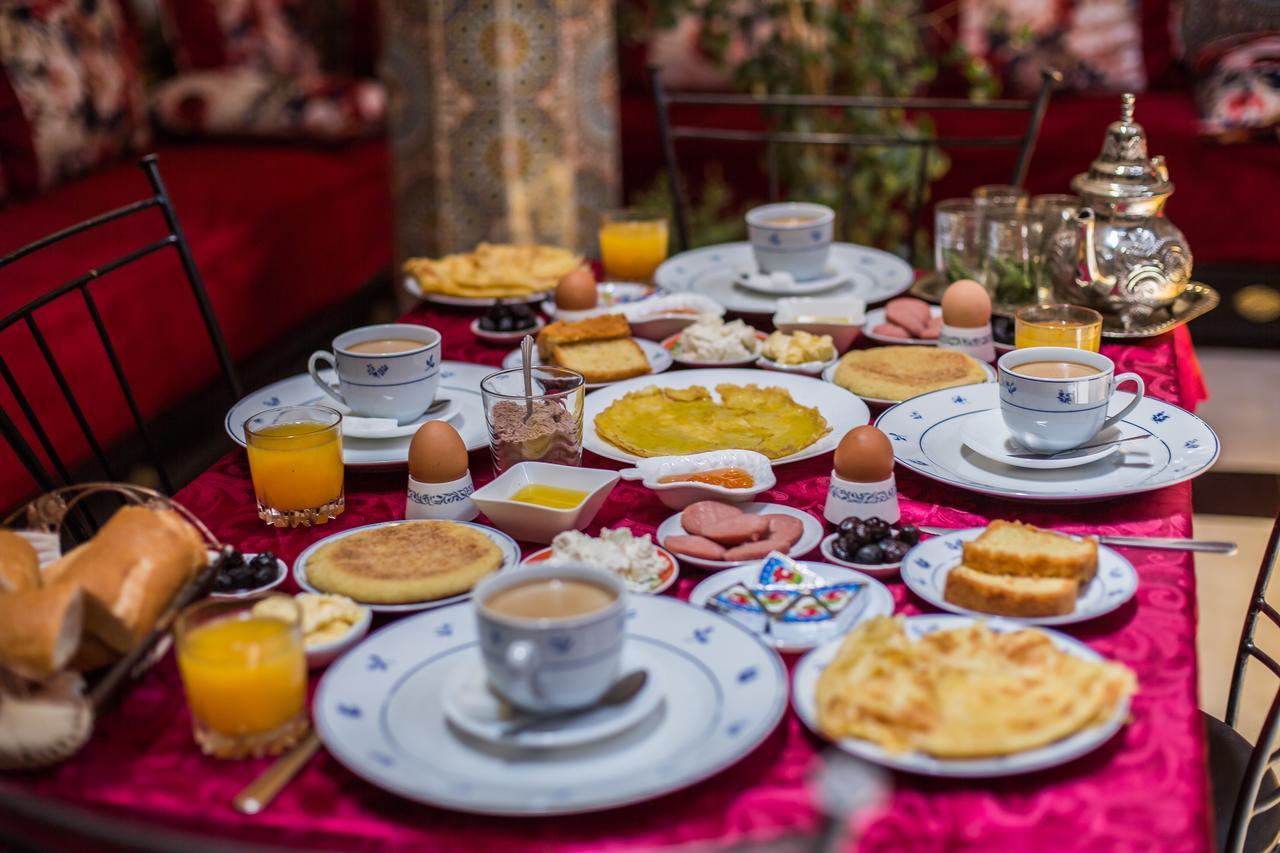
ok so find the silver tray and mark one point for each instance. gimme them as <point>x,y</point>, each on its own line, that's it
<point>1196,300</point>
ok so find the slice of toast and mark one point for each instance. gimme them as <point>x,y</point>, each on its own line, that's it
<point>1014,548</point>
<point>604,327</point>
<point>603,361</point>
<point>1010,595</point>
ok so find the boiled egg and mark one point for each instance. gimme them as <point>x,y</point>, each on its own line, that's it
<point>437,453</point>
<point>577,291</point>
<point>864,455</point>
<point>966,305</point>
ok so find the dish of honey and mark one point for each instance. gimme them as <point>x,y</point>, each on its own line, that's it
<point>728,478</point>
<point>552,497</point>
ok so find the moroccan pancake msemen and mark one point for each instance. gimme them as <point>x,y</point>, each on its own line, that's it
<point>403,563</point>
<point>896,373</point>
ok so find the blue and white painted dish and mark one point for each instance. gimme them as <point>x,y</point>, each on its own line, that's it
<point>804,685</point>
<point>986,433</point>
<point>927,436</point>
<point>924,570</point>
<point>510,558</point>
<point>659,360</point>
<point>459,381</point>
<point>872,275</point>
<point>379,711</point>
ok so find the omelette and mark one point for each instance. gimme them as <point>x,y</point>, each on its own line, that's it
<point>656,421</point>
<point>963,693</point>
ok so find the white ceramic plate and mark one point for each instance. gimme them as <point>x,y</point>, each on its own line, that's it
<point>879,570</point>
<point>829,375</point>
<point>472,707</point>
<point>877,316</point>
<point>506,337</point>
<point>925,568</point>
<point>672,345</point>
<point>843,412</point>
<point>809,537</point>
<point>926,437</point>
<point>669,575</point>
<point>659,360</point>
<point>510,557</point>
<point>986,433</point>
<point>804,684</point>
<point>808,368</point>
<point>412,287</point>
<point>448,412</point>
<point>874,276</point>
<point>834,277</point>
<point>459,381</point>
<point>874,600</point>
<point>378,711</point>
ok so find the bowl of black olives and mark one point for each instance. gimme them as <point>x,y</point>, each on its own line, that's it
<point>507,322</point>
<point>248,574</point>
<point>870,545</point>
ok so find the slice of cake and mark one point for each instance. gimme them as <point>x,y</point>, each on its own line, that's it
<point>1010,595</point>
<point>603,361</point>
<point>603,327</point>
<point>1014,548</point>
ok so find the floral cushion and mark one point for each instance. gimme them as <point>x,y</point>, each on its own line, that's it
<point>261,34</point>
<point>71,96</point>
<point>250,103</point>
<point>1239,94</point>
<point>1096,44</point>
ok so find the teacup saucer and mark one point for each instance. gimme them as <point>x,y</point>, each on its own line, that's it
<point>471,706</point>
<point>353,428</point>
<point>782,284</point>
<point>986,433</point>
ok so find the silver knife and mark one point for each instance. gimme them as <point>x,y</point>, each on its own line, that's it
<point>1159,543</point>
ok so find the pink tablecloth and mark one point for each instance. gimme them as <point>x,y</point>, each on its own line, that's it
<point>1147,789</point>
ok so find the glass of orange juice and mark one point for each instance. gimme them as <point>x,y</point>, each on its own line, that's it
<point>632,244</point>
<point>295,458</point>
<point>1058,326</point>
<point>245,676</point>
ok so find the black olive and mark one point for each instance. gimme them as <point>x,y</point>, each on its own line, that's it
<point>877,528</point>
<point>869,554</point>
<point>893,550</point>
<point>846,526</point>
<point>908,533</point>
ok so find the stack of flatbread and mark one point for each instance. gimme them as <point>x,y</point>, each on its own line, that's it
<point>494,271</point>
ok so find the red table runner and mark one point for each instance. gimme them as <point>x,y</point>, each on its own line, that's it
<point>1146,789</point>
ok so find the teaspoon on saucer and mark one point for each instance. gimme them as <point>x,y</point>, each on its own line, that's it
<point>622,691</point>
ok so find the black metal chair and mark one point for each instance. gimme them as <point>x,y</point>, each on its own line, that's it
<point>773,139</point>
<point>53,470</point>
<point>1246,796</point>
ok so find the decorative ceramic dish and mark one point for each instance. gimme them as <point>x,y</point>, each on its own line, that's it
<point>680,495</point>
<point>530,522</point>
<point>842,334</point>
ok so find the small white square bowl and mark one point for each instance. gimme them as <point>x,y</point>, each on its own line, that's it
<point>532,523</point>
<point>842,334</point>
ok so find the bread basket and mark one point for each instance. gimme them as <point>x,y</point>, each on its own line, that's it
<point>43,722</point>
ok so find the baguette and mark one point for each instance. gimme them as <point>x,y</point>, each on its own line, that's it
<point>19,563</point>
<point>603,361</point>
<point>602,327</point>
<point>40,629</point>
<point>1010,595</point>
<point>1014,548</point>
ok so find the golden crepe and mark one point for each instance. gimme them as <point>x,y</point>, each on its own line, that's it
<point>494,271</point>
<point>402,563</point>
<point>896,373</point>
<point>658,421</point>
<point>963,693</point>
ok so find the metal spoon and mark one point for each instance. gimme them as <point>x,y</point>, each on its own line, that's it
<point>526,360</point>
<point>1071,450</point>
<point>622,691</point>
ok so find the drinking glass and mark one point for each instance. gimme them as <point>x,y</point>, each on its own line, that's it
<point>1010,256</point>
<point>295,458</point>
<point>1058,326</point>
<point>1055,212</point>
<point>990,196</point>
<point>632,244</point>
<point>543,424</point>
<point>245,677</point>
<point>957,250</point>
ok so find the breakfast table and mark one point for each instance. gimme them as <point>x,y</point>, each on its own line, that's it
<point>1147,788</point>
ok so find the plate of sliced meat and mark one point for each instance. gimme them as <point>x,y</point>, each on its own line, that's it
<point>715,535</point>
<point>905,320</point>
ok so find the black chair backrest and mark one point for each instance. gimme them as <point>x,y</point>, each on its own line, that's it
<point>772,139</point>
<point>1248,804</point>
<point>55,471</point>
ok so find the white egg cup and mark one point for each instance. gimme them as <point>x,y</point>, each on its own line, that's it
<point>451,500</point>
<point>850,499</point>
<point>976,341</point>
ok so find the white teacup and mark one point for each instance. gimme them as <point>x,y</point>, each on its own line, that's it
<point>550,664</point>
<point>399,385</point>
<point>1049,415</point>
<point>792,237</point>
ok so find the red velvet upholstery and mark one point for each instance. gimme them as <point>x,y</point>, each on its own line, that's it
<point>279,232</point>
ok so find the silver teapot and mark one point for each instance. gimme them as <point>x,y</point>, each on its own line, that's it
<point>1120,255</point>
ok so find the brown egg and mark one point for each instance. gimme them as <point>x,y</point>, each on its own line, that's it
<point>437,453</point>
<point>966,305</point>
<point>864,455</point>
<point>577,290</point>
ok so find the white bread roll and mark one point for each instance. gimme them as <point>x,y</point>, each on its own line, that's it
<point>19,563</point>
<point>40,629</point>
